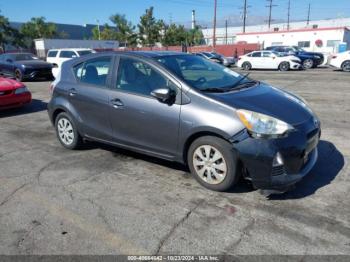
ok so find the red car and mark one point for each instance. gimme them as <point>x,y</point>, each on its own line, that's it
<point>13,94</point>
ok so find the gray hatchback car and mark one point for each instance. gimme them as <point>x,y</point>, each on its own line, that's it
<point>183,108</point>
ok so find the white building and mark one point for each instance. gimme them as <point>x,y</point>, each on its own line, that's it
<point>325,40</point>
<point>337,34</point>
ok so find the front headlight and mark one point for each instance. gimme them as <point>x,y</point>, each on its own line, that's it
<point>21,90</point>
<point>263,125</point>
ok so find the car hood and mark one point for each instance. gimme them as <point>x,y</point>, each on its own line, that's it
<point>9,84</point>
<point>269,101</point>
<point>35,63</point>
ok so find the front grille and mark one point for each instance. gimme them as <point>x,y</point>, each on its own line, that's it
<point>277,170</point>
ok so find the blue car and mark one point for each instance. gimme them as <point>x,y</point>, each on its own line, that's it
<point>308,59</point>
<point>24,66</point>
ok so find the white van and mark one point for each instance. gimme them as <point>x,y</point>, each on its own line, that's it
<point>58,56</point>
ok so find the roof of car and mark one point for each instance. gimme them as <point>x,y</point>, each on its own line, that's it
<point>154,54</point>
<point>69,49</point>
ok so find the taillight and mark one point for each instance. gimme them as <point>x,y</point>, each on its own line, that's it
<point>239,58</point>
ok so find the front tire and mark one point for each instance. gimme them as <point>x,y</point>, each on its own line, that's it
<point>284,66</point>
<point>67,132</point>
<point>213,163</point>
<point>346,66</point>
<point>18,75</point>
<point>308,64</point>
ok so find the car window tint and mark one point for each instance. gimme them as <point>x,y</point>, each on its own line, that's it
<point>256,54</point>
<point>93,71</point>
<point>266,54</point>
<point>52,53</point>
<point>138,77</point>
<point>67,54</point>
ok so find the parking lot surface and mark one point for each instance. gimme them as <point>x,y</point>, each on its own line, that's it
<point>103,200</point>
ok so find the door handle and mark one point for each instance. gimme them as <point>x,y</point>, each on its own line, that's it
<point>72,92</point>
<point>117,103</point>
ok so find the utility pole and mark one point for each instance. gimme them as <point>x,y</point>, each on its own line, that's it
<point>270,11</point>
<point>288,22</point>
<point>214,24</point>
<point>226,31</point>
<point>308,15</point>
<point>244,15</point>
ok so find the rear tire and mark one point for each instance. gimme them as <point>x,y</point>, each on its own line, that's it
<point>18,75</point>
<point>67,132</point>
<point>284,66</point>
<point>247,66</point>
<point>308,64</point>
<point>346,66</point>
<point>213,163</point>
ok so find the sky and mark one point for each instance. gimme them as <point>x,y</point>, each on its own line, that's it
<point>179,11</point>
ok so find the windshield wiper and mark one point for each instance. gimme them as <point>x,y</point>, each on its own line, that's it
<point>215,90</point>
<point>240,80</point>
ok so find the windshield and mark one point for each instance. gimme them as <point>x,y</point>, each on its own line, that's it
<point>24,57</point>
<point>84,52</point>
<point>202,74</point>
<point>299,49</point>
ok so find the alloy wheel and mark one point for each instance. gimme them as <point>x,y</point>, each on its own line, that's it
<point>308,63</point>
<point>209,164</point>
<point>65,131</point>
<point>346,66</point>
<point>18,75</point>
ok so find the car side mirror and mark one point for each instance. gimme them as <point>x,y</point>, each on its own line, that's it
<point>9,60</point>
<point>164,95</point>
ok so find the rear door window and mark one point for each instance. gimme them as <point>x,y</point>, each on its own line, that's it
<point>94,71</point>
<point>256,54</point>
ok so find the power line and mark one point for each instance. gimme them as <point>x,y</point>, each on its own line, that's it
<point>270,11</point>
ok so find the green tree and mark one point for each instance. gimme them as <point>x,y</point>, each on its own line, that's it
<point>195,36</point>
<point>124,29</point>
<point>175,35</point>
<point>8,35</point>
<point>149,32</point>
<point>105,33</point>
<point>37,28</point>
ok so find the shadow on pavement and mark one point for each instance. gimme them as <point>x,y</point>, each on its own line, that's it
<point>242,186</point>
<point>329,164</point>
<point>34,107</point>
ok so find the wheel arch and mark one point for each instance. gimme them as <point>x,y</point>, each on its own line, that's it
<point>342,64</point>
<point>194,137</point>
